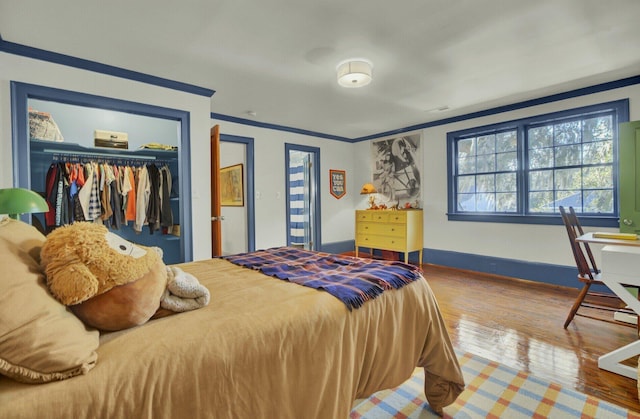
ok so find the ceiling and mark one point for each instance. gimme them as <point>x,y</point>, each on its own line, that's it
<point>277,58</point>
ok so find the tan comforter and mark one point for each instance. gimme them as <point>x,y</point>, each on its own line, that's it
<point>262,348</point>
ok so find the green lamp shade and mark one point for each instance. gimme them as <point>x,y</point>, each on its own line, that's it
<point>16,201</point>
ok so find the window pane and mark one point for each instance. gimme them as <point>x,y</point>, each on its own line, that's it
<point>569,199</point>
<point>467,147</point>
<point>487,144</point>
<point>486,183</point>
<point>540,158</point>
<point>567,133</point>
<point>506,182</point>
<point>598,129</point>
<point>486,163</point>
<point>485,202</point>
<point>598,152</point>
<point>506,141</point>
<point>467,202</point>
<point>568,155</point>
<point>541,201</point>
<point>600,201</point>
<point>506,202</point>
<point>466,184</point>
<point>566,179</point>
<point>597,177</point>
<point>466,165</point>
<point>540,137</point>
<point>507,162</point>
<point>541,180</point>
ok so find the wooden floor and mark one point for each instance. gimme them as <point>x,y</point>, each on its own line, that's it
<point>519,323</point>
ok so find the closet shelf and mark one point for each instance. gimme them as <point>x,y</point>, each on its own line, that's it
<point>73,149</point>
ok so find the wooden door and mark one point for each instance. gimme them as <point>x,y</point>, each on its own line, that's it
<point>629,175</point>
<point>216,212</point>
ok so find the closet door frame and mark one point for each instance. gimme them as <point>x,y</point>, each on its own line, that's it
<point>22,92</point>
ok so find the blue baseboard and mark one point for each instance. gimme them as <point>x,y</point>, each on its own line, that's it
<point>533,271</point>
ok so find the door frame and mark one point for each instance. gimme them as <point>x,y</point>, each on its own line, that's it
<point>22,92</point>
<point>315,192</point>
<point>250,185</point>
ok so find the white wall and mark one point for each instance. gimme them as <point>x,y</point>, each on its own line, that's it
<point>270,197</point>
<point>27,70</point>
<point>534,243</point>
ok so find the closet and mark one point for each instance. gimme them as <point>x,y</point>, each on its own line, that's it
<point>76,151</point>
<point>67,165</point>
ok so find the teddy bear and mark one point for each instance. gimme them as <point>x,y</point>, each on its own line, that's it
<point>108,282</point>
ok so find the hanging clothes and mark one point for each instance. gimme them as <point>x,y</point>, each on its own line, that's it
<point>166,213</point>
<point>109,194</point>
<point>143,190</point>
<point>153,209</point>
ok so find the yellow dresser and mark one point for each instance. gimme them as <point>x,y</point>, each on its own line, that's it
<point>399,231</point>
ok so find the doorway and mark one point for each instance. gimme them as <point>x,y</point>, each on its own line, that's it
<point>303,204</point>
<point>238,222</point>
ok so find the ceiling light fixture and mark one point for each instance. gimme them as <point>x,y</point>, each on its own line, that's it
<point>356,72</point>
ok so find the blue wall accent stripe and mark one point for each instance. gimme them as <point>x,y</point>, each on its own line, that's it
<point>547,273</point>
<point>250,122</point>
<point>57,58</point>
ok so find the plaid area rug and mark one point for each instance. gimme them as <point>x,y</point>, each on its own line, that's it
<point>493,391</point>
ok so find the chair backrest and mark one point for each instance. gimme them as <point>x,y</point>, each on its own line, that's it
<point>586,265</point>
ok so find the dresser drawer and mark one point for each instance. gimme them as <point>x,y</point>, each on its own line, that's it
<point>380,216</point>
<point>363,216</point>
<point>380,242</point>
<point>373,228</point>
<point>398,217</point>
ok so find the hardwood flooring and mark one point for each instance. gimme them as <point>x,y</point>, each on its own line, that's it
<point>519,323</point>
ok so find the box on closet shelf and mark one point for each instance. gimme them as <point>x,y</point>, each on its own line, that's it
<point>111,139</point>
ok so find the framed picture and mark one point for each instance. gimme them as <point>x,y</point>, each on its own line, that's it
<point>337,183</point>
<point>232,186</point>
<point>397,167</point>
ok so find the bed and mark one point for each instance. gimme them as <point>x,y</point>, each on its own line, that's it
<point>262,348</point>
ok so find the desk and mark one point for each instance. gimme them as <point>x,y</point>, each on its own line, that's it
<point>588,238</point>
<point>620,267</point>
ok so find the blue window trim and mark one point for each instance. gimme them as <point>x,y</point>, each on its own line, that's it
<point>251,208</point>
<point>621,108</point>
<point>22,92</point>
<point>317,236</point>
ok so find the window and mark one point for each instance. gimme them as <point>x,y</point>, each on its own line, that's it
<point>522,171</point>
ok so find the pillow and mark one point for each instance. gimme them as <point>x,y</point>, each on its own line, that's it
<point>40,341</point>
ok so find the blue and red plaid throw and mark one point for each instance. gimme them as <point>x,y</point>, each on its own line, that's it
<point>352,280</point>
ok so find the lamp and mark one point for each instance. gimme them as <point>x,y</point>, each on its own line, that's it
<point>354,73</point>
<point>369,189</point>
<point>16,201</point>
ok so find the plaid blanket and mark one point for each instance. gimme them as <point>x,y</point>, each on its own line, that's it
<point>352,280</point>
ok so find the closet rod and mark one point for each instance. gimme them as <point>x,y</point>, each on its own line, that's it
<point>112,156</point>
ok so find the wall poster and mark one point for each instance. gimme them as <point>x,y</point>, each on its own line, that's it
<point>232,186</point>
<point>397,168</point>
<point>337,183</point>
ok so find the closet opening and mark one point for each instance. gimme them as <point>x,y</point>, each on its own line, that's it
<point>157,143</point>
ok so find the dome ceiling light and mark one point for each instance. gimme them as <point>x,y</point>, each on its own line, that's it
<point>355,72</point>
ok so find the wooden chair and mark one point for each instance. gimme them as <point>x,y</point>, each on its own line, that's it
<point>588,272</point>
